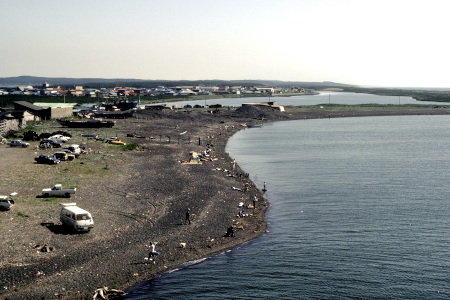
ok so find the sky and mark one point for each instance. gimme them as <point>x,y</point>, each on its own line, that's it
<point>390,43</point>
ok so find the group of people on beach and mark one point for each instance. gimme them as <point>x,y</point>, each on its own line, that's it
<point>152,254</point>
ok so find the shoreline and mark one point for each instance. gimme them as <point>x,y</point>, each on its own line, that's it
<point>132,210</point>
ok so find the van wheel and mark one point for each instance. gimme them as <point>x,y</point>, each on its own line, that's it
<point>67,195</point>
<point>46,195</point>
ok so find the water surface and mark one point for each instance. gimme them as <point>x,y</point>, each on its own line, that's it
<point>322,98</point>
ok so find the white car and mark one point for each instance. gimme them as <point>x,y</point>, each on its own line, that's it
<point>73,148</point>
<point>59,138</point>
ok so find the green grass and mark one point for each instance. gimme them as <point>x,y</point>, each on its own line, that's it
<point>22,214</point>
<point>128,147</point>
<point>84,168</point>
<point>54,200</point>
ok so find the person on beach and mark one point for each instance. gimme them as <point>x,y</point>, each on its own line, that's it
<point>230,232</point>
<point>188,216</point>
<point>255,199</point>
<point>152,252</point>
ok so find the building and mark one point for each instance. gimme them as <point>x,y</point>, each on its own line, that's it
<point>44,113</point>
<point>11,120</point>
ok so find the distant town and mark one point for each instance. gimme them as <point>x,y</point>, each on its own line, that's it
<point>47,89</point>
<point>22,103</point>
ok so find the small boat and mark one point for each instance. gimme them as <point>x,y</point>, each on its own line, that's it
<point>91,123</point>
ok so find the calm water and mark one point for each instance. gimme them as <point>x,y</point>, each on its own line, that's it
<point>322,98</point>
<point>359,209</point>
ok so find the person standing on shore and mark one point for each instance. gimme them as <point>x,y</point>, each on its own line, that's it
<point>152,251</point>
<point>188,216</point>
<point>255,199</point>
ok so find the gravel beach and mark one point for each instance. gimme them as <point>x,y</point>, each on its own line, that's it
<point>136,197</point>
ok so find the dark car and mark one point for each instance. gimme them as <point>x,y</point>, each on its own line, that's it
<point>46,159</point>
<point>31,136</point>
<point>49,143</point>
<point>18,143</point>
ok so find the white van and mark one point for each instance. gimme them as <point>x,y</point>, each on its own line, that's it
<point>76,218</point>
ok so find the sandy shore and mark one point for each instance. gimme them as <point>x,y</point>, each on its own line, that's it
<point>144,199</point>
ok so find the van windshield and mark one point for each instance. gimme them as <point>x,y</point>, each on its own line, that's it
<point>82,217</point>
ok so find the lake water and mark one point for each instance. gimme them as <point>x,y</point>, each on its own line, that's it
<point>322,98</point>
<point>359,210</point>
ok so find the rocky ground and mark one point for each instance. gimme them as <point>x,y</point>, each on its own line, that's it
<point>135,197</point>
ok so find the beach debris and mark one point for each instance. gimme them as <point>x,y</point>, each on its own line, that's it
<point>40,273</point>
<point>44,248</point>
<point>105,293</point>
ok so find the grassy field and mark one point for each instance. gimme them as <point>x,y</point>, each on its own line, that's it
<point>28,178</point>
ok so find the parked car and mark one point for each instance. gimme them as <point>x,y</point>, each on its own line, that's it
<point>49,143</point>
<point>46,159</point>
<point>89,136</point>
<point>74,148</point>
<point>76,218</point>
<point>6,202</point>
<point>18,143</point>
<point>77,155</point>
<point>62,155</point>
<point>31,135</point>
<point>59,138</point>
<point>58,191</point>
<point>61,132</point>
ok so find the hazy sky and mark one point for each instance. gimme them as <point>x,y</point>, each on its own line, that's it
<point>381,42</point>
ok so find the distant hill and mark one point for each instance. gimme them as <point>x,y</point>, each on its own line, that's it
<point>143,83</point>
